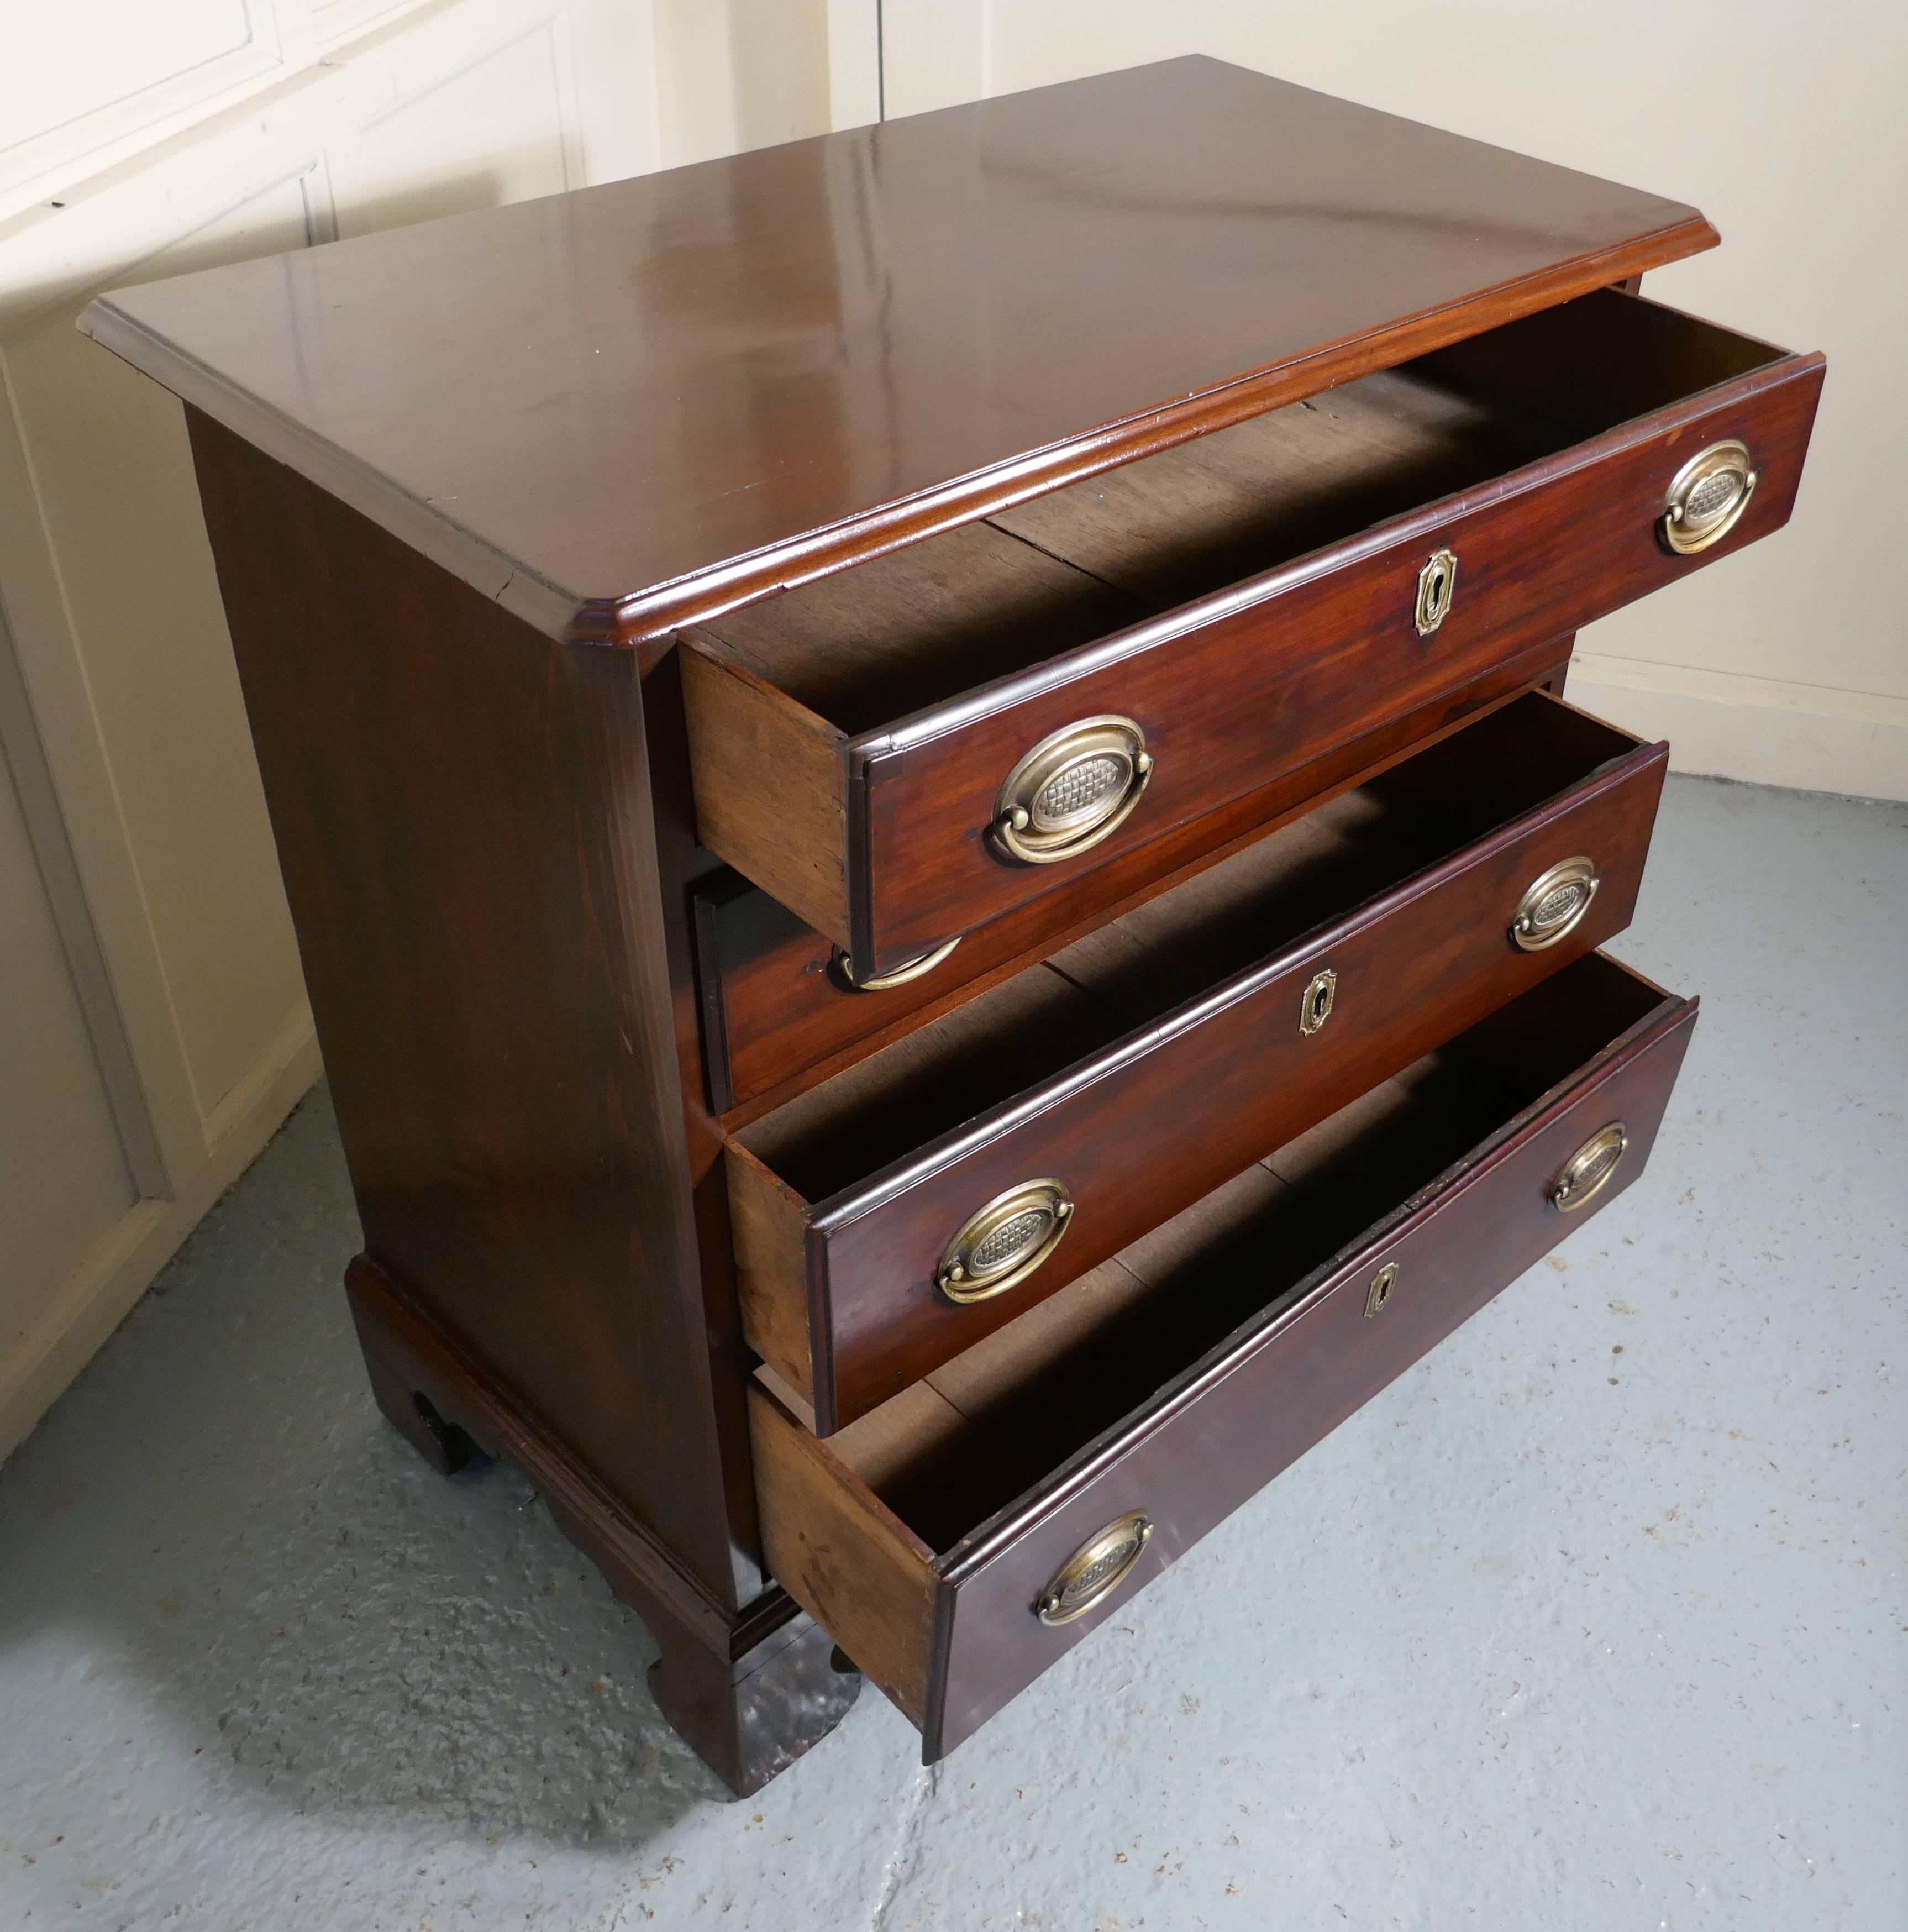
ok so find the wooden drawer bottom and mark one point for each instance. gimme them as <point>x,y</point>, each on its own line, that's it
<point>1143,1067</point>
<point>1174,1381</point>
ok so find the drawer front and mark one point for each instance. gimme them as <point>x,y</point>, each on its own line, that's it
<point>1211,1443</point>
<point>774,1003</point>
<point>1164,1116</point>
<point>1238,688</point>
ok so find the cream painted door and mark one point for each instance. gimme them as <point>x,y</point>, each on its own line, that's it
<point>153,1026</point>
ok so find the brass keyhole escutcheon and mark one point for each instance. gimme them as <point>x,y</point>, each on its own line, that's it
<point>1316,1007</point>
<point>1437,585</point>
<point>1379,1295</point>
<point>999,1246</point>
<point>1094,1570</point>
<point>1588,1172</point>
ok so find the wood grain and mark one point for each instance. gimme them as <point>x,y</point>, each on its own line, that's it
<point>1039,1340</point>
<point>750,1690</point>
<point>920,625</point>
<point>420,1356</point>
<point>1213,1436</point>
<point>778,1019</point>
<point>1179,1060</point>
<point>1233,690</point>
<point>722,379</point>
<point>440,466</point>
<point>768,1221</point>
<point>933,1081</point>
<point>1281,556</point>
<point>463,815</point>
<point>855,1568</point>
<point>1185,1374</point>
<point>770,785</point>
<point>1237,502</point>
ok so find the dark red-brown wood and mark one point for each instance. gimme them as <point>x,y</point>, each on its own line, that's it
<point>439,463</point>
<point>1216,1434</point>
<point>1198,1089</point>
<point>619,409</point>
<point>464,816</point>
<point>750,1692</point>
<point>1236,688</point>
<point>777,1015</point>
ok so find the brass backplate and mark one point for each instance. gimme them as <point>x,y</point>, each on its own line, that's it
<point>1074,788</point>
<point>1707,497</point>
<point>1377,1297</point>
<point>999,1246</point>
<point>1588,1172</point>
<point>1554,903</point>
<point>1094,1570</point>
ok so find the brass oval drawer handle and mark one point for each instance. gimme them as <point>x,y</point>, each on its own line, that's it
<point>1000,1245</point>
<point>1094,1570</point>
<point>1437,585</point>
<point>916,968</point>
<point>1587,1171</point>
<point>1707,497</point>
<point>1554,903</point>
<point>1075,787</point>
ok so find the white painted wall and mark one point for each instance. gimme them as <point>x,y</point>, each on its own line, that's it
<point>153,1026</point>
<point>1788,126</point>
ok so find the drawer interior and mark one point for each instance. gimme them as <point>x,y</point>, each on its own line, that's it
<point>998,1420</point>
<point>876,643</point>
<point>1179,946</point>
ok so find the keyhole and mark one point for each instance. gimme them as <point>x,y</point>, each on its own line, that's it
<point>1437,583</point>
<point>1316,1008</point>
<point>1380,1291</point>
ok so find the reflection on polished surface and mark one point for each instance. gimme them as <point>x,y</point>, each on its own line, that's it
<point>586,397</point>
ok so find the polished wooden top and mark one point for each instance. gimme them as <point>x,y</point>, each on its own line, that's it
<point>622,408</point>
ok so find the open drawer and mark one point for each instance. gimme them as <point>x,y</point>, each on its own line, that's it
<point>957,1540</point>
<point>886,1219</point>
<point>776,1001</point>
<point>915,746</point>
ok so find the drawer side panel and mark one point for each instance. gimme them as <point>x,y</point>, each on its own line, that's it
<point>769,791</point>
<point>829,1542</point>
<point>782,1011</point>
<point>769,1224</point>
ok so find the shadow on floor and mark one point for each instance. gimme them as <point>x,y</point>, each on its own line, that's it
<point>356,1634</point>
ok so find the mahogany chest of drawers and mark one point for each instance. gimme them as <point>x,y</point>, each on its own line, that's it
<point>949,898</point>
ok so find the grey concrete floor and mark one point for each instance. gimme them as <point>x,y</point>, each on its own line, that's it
<point>1595,1619</point>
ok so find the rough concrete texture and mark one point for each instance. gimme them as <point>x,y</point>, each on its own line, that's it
<point>1593,1620</point>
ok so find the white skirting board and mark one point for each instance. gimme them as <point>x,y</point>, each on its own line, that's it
<point>101,1292</point>
<point>1756,729</point>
